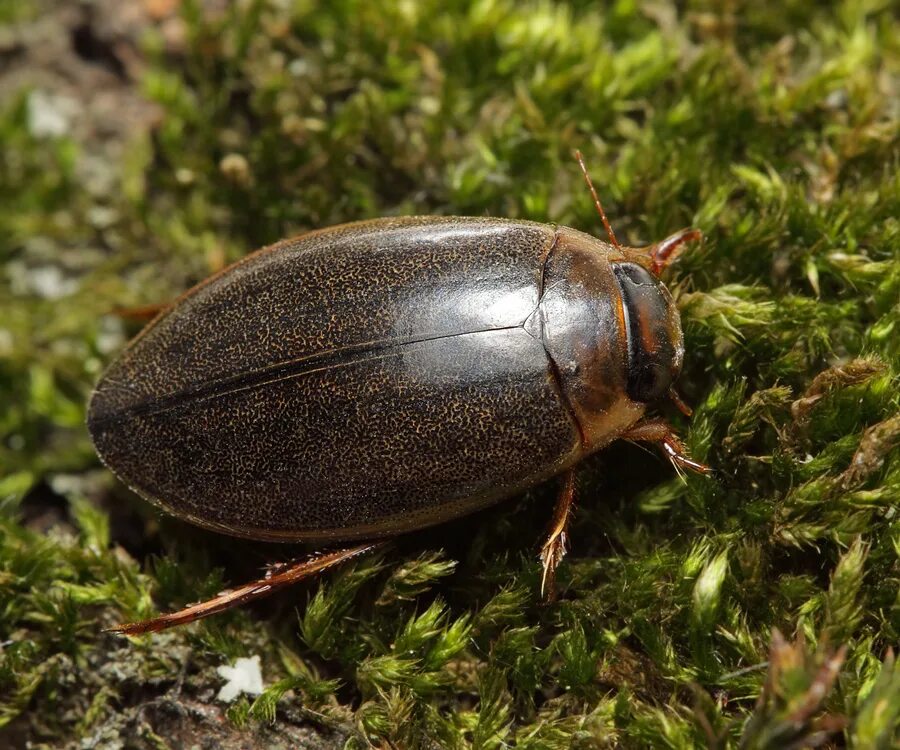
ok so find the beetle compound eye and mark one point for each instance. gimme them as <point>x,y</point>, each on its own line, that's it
<point>655,345</point>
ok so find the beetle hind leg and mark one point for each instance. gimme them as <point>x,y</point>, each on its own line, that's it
<point>277,576</point>
<point>140,313</point>
<point>554,549</point>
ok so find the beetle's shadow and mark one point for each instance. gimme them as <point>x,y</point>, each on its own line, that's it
<point>492,546</point>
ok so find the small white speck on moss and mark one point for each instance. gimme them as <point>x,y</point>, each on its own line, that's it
<point>50,115</point>
<point>243,677</point>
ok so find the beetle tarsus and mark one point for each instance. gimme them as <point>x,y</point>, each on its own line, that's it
<point>659,432</point>
<point>554,549</point>
<point>276,577</point>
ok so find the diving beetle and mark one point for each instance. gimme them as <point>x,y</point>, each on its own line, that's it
<point>374,378</point>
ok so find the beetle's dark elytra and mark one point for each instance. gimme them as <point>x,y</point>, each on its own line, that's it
<point>378,377</point>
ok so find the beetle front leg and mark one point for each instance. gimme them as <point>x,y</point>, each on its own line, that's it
<point>554,549</point>
<point>660,432</point>
<point>277,577</point>
<point>664,252</point>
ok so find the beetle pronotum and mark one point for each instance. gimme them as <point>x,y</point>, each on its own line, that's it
<point>370,379</point>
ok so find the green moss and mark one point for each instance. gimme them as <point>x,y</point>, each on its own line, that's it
<point>775,130</point>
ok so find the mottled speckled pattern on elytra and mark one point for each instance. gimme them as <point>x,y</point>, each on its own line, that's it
<point>361,381</point>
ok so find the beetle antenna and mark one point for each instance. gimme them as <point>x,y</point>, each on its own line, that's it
<point>587,179</point>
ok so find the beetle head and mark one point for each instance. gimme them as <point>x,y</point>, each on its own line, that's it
<point>653,333</point>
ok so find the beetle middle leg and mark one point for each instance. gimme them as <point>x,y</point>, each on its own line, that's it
<point>554,549</point>
<point>660,432</point>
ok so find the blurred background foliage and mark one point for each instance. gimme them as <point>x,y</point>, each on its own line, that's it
<point>146,145</point>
